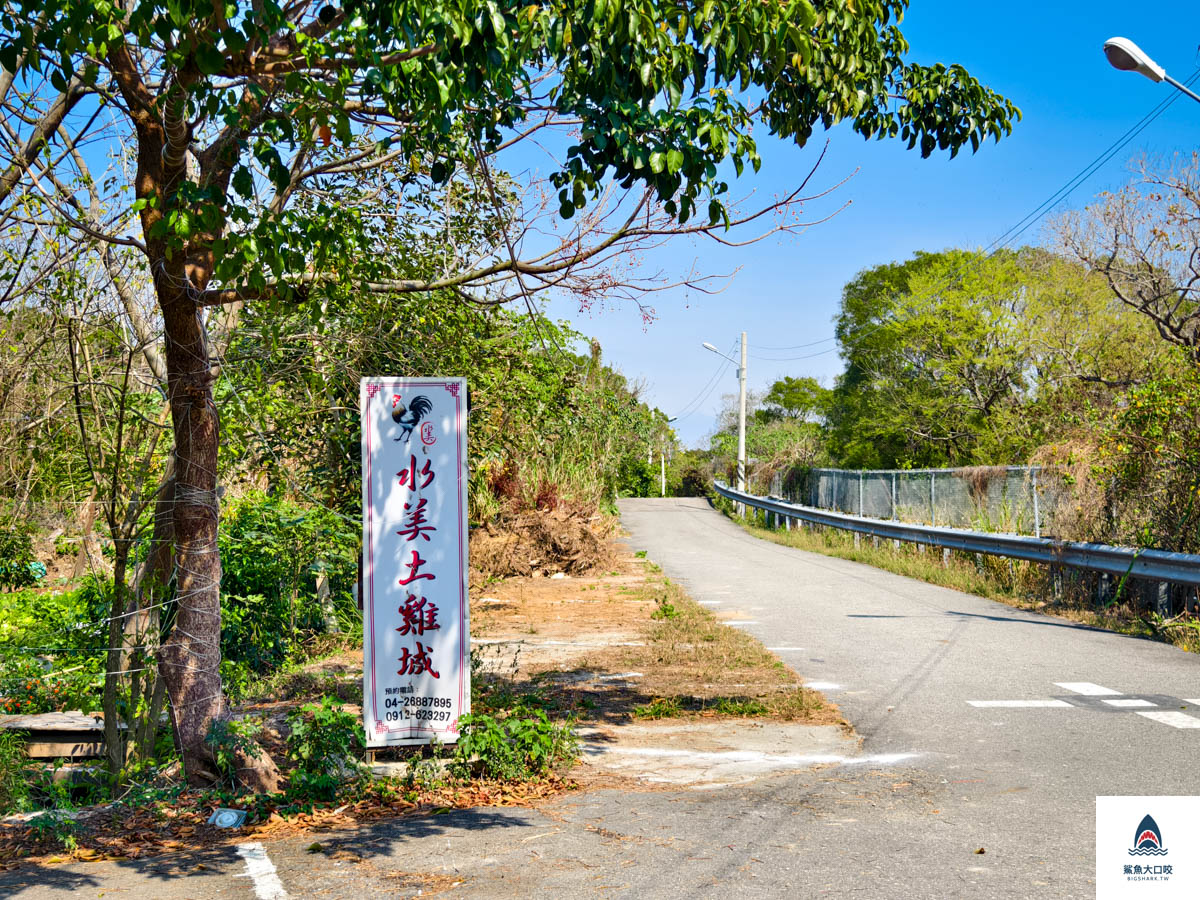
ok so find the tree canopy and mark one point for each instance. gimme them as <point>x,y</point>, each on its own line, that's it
<point>957,358</point>
<point>227,131</point>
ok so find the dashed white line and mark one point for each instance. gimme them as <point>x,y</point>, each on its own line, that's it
<point>710,602</point>
<point>822,685</point>
<point>1128,701</point>
<point>1023,704</point>
<point>1197,702</point>
<point>1174,719</point>
<point>1087,688</point>
<point>261,870</point>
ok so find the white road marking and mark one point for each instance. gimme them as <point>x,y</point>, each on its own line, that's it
<point>1087,688</point>
<point>822,685</point>
<point>261,870</point>
<point>782,649</point>
<point>710,602</point>
<point>777,759</point>
<point>1129,701</point>
<point>1197,702</point>
<point>1174,719</point>
<point>1052,704</point>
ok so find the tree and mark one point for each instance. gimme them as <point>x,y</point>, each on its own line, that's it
<point>1145,240</point>
<point>797,398</point>
<point>238,120</point>
<point>957,358</point>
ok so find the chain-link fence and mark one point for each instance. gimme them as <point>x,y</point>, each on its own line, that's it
<point>982,498</point>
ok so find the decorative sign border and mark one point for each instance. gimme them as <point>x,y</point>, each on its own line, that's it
<point>445,424</point>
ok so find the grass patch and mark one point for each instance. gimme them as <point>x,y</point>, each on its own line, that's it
<point>729,707</point>
<point>693,665</point>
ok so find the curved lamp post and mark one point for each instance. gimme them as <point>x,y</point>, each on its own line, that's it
<point>1127,56</point>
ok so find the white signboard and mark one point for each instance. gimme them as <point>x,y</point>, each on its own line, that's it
<point>416,640</point>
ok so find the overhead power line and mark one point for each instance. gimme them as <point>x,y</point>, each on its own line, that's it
<point>1008,236</point>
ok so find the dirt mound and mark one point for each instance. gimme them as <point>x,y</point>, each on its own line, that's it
<point>542,542</point>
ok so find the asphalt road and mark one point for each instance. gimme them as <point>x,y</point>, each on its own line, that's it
<point>917,669</point>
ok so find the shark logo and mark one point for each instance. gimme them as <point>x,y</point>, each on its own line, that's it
<point>1147,840</point>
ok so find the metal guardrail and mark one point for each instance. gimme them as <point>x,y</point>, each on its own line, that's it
<point>1153,565</point>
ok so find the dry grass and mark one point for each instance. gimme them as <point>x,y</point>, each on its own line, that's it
<point>702,667</point>
<point>564,639</point>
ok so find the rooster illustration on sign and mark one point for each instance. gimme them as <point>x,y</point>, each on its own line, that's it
<point>408,417</point>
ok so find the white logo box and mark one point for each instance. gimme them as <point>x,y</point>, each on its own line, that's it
<point>1165,865</point>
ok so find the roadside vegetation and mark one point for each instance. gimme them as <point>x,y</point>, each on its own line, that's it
<point>1079,356</point>
<point>1024,585</point>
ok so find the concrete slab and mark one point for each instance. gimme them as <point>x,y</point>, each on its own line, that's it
<point>707,755</point>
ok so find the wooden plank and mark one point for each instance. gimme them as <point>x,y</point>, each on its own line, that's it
<point>55,721</point>
<point>53,749</point>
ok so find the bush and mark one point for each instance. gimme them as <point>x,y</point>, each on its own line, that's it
<point>231,740</point>
<point>1151,460</point>
<point>324,742</point>
<point>26,688</point>
<point>65,620</point>
<point>16,554</point>
<point>694,481</point>
<point>272,552</point>
<point>514,748</point>
<point>14,783</point>
<point>635,478</point>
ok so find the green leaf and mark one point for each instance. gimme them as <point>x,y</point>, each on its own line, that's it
<point>209,59</point>
<point>243,182</point>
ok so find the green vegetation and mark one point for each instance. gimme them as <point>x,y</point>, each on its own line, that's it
<point>513,747</point>
<point>262,191</point>
<point>324,744</point>
<point>1031,356</point>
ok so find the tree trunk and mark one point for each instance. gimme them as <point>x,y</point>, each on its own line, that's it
<point>190,659</point>
<point>114,740</point>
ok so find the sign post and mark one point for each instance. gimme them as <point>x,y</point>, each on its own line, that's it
<point>416,635</point>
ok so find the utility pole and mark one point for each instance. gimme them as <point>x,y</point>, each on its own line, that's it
<point>741,460</point>
<point>662,459</point>
<point>741,457</point>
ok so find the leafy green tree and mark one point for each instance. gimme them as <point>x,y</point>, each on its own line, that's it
<point>956,358</point>
<point>797,398</point>
<point>230,113</point>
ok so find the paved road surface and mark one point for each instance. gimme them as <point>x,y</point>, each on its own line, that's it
<point>1005,727</point>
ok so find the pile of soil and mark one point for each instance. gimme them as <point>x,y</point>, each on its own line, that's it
<point>542,542</point>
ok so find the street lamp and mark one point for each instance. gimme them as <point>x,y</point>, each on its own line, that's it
<point>741,457</point>
<point>662,460</point>
<point>1127,56</point>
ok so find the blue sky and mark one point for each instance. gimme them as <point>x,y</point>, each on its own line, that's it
<point>1046,57</point>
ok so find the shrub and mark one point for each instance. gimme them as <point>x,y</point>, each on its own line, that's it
<point>16,554</point>
<point>695,481</point>
<point>26,688</point>
<point>323,743</point>
<point>272,552</point>
<point>514,748</point>
<point>14,783</point>
<point>231,740</point>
